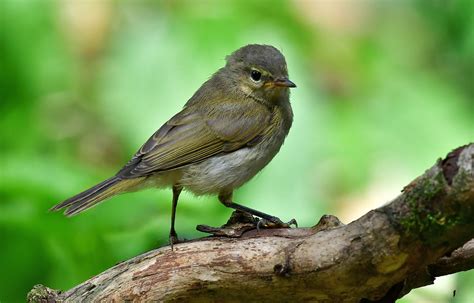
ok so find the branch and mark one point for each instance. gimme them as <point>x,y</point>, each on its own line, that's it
<point>422,234</point>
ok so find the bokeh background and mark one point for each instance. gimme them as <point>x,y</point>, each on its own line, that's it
<point>384,89</point>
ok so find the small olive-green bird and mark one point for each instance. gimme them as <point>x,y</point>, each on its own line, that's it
<point>226,133</point>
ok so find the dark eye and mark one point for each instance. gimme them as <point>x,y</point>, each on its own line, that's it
<point>255,75</point>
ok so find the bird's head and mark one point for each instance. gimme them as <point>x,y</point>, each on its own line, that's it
<point>259,71</point>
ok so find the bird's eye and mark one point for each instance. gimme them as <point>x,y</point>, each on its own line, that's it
<point>255,75</point>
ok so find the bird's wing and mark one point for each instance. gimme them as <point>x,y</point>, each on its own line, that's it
<point>192,136</point>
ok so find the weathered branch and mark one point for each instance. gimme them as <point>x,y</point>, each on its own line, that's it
<point>381,256</point>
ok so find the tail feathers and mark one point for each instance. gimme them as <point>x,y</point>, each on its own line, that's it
<point>94,195</point>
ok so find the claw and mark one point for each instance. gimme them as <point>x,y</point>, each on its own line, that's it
<point>261,223</point>
<point>292,222</point>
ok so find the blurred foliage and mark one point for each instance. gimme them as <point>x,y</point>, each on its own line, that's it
<point>384,89</point>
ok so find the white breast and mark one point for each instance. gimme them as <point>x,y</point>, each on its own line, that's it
<point>229,171</point>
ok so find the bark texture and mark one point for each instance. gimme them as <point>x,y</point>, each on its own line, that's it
<point>423,233</point>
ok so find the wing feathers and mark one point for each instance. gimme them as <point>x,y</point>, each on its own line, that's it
<point>192,136</point>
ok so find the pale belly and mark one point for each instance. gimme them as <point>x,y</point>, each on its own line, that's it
<point>229,171</point>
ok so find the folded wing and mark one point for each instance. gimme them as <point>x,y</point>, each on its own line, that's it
<point>195,134</point>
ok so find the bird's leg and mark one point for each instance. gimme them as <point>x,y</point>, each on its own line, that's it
<point>267,220</point>
<point>173,236</point>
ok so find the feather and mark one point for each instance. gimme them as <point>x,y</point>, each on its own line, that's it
<point>96,194</point>
<point>197,133</point>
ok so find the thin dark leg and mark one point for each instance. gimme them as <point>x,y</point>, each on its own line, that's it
<point>250,211</point>
<point>226,199</point>
<point>173,236</point>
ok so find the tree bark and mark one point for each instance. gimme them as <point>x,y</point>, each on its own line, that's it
<point>424,233</point>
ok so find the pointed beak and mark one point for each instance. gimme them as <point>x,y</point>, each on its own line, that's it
<point>284,82</point>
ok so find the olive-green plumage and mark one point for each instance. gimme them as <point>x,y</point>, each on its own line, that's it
<point>227,132</point>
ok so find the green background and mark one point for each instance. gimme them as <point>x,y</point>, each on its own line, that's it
<point>384,89</point>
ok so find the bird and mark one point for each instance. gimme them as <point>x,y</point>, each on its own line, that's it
<point>227,132</point>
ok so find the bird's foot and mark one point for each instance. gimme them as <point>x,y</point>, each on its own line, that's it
<point>241,222</point>
<point>275,222</point>
<point>173,239</point>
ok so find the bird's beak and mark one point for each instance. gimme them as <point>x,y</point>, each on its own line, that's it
<point>284,82</point>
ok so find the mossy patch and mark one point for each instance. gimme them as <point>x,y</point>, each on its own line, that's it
<point>431,213</point>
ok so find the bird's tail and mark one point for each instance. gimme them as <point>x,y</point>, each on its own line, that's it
<point>96,194</point>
